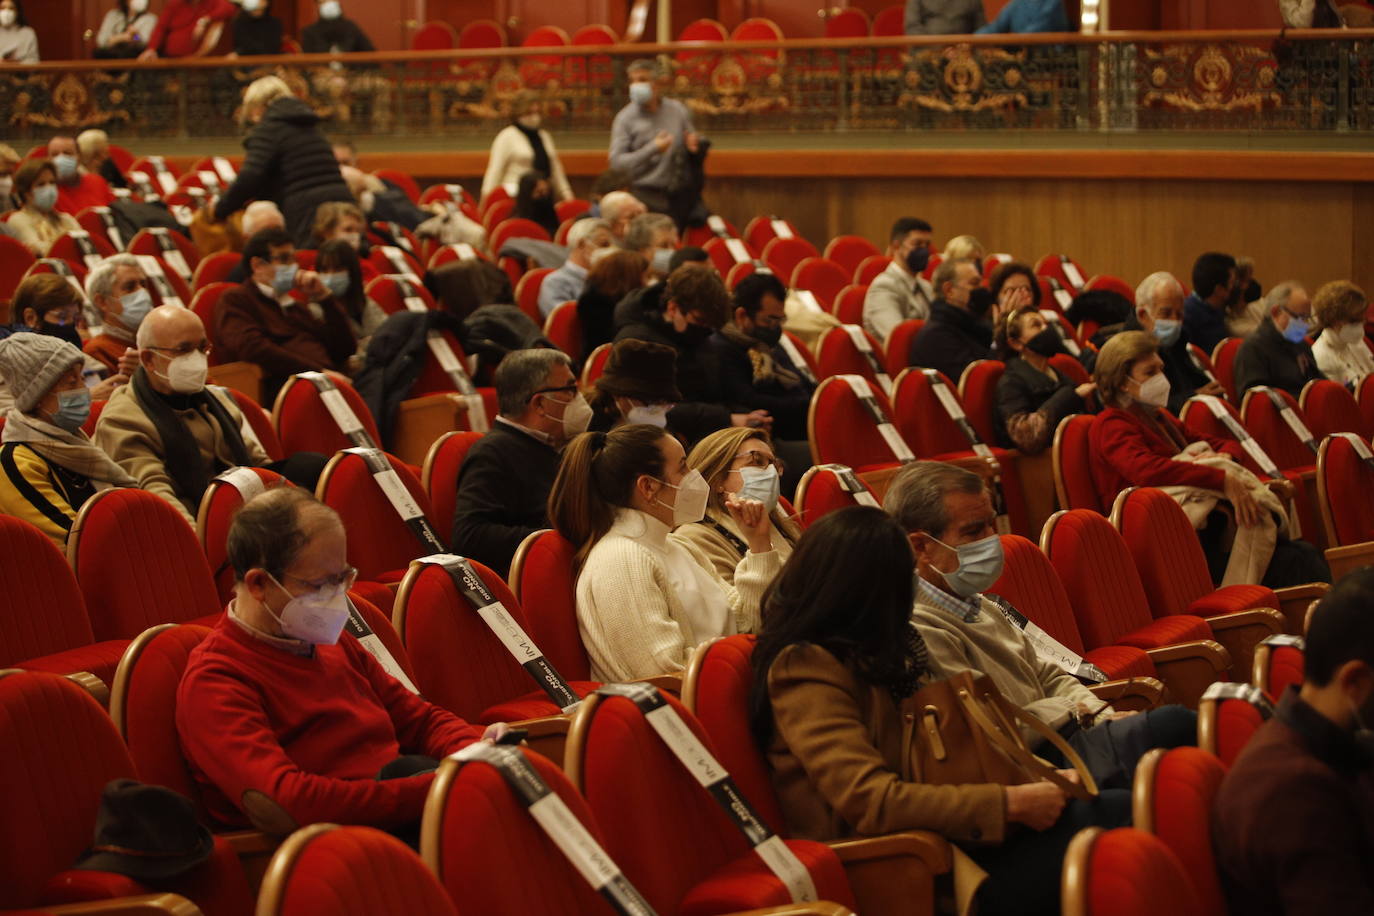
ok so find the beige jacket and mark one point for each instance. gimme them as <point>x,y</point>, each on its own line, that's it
<point>128,436</point>
<point>722,555</point>
<point>895,296</point>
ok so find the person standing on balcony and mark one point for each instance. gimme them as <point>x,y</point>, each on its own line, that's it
<point>943,17</point>
<point>18,40</point>
<point>182,25</point>
<point>653,140</point>
<point>334,33</point>
<point>125,30</point>
<point>256,31</point>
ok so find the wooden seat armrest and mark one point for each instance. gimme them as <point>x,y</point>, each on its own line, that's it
<point>1349,558</point>
<point>1241,631</point>
<point>895,875</point>
<point>671,683</point>
<point>251,842</point>
<point>94,686</point>
<point>548,735</point>
<point>1262,616</point>
<point>1133,693</point>
<point>1208,649</point>
<point>930,848</point>
<point>420,421</point>
<point>1294,602</point>
<point>819,908</point>
<point>1189,668</point>
<point>240,376</point>
<point>142,905</point>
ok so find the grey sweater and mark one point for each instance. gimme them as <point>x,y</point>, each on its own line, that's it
<point>632,141</point>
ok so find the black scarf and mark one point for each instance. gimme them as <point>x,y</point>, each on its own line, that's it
<point>189,470</point>
<point>541,155</point>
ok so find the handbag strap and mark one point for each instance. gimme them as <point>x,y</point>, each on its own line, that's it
<point>1018,752</point>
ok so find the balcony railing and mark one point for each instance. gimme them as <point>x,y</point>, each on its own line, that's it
<point>1316,82</point>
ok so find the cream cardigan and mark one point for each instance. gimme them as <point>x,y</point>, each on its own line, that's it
<point>645,601</point>
<point>722,555</point>
<point>512,156</point>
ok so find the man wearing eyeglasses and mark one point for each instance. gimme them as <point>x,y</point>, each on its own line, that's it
<point>173,433</point>
<point>1277,353</point>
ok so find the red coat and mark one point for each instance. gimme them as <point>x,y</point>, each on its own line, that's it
<point>174,34</point>
<point>310,732</point>
<point>1128,453</point>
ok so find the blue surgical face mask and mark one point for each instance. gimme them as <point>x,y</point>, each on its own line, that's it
<point>761,484</point>
<point>980,565</point>
<point>641,93</point>
<point>336,283</point>
<point>1297,329</point>
<point>135,307</point>
<point>284,278</point>
<point>1167,331</point>
<point>45,197</point>
<point>73,409</point>
<point>65,164</point>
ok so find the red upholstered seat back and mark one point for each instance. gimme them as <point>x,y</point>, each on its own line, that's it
<point>837,355</point>
<point>15,260</point>
<point>485,831</point>
<point>1030,583</point>
<point>60,751</point>
<point>849,251</point>
<point>459,663</point>
<point>596,365</point>
<point>1165,548</point>
<point>351,871</point>
<point>221,501</point>
<point>440,476</point>
<point>1072,471</point>
<point>434,36</point>
<point>870,267</point>
<point>1180,797</point>
<point>139,564</point>
<point>303,423</point>
<point>1364,398</point>
<point>543,579</point>
<point>1331,408</point>
<point>1111,284</point>
<point>379,541</point>
<point>922,420</point>
<point>1098,574</point>
<point>390,296</point>
<point>822,277</point>
<point>783,255</point>
<point>718,251</point>
<point>1199,420</point>
<point>394,260</point>
<point>527,292</point>
<point>848,305</point>
<point>978,391</point>
<point>517,228</point>
<point>1266,424</point>
<point>720,701</point>
<point>841,430</point>
<point>564,328</point>
<point>215,268</point>
<point>1236,722</point>
<point>143,704</point>
<point>43,610</point>
<point>1128,872</point>
<point>1052,265</point>
<point>898,345</point>
<point>1069,367</point>
<point>820,491</point>
<point>1282,658</point>
<point>1224,365</point>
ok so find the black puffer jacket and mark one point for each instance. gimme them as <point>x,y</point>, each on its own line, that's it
<point>290,162</point>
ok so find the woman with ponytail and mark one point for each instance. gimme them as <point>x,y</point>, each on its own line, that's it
<point>645,601</point>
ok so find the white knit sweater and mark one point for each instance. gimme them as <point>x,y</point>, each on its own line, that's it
<point>644,602</point>
<point>1342,363</point>
<point>512,156</point>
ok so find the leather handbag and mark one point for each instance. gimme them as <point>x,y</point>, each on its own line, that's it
<point>966,733</point>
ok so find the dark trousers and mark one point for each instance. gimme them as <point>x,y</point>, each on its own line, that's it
<point>401,768</point>
<point>1112,749</point>
<point>303,469</point>
<point>1023,872</point>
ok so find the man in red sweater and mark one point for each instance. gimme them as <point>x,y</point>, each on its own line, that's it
<point>182,25</point>
<point>277,706</point>
<point>77,188</point>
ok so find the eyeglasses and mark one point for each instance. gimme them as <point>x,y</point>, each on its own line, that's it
<point>564,389</point>
<point>759,460</point>
<point>344,579</point>
<point>185,349</point>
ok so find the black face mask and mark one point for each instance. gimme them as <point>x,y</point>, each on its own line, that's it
<point>694,335</point>
<point>65,332</point>
<point>1046,343</point>
<point>770,336</point>
<point>980,301</point>
<point>917,259</point>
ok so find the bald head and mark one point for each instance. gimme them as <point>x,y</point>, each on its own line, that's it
<point>169,332</point>
<point>169,326</point>
<point>275,528</point>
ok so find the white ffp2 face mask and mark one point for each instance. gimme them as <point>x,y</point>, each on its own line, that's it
<point>692,495</point>
<point>186,373</point>
<point>316,617</point>
<point>1154,391</point>
<point>650,415</point>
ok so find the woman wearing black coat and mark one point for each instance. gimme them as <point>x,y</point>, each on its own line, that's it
<point>288,160</point>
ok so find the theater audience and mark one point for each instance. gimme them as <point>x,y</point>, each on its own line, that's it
<point>77,188</point>
<point>342,220</point>
<point>737,462</point>
<point>504,483</point>
<point>1341,351</point>
<point>619,208</point>
<point>125,29</point>
<point>333,32</point>
<point>836,664</point>
<point>49,304</point>
<point>695,304</point>
<point>342,274</point>
<point>1294,818</point>
<point>1134,442</point>
<point>900,292</point>
<point>282,711</point>
<point>257,31</point>
<point>1216,290</point>
<point>1159,313</point>
<point>943,17</point>
<point>48,466</point>
<point>638,385</point>
<point>608,181</point>
<point>117,287</point>
<point>964,246</point>
<point>261,321</point>
<point>524,146</point>
<point>567,282</point>
<point>181,27</point>
<point>18,40</point>
<point>287,160</point>
<point>534,202</point>
<point>954,336</point>
<point>1277,353</point>
<point>1032,396</point>
<point>754,369</point>
<point>948,513</point>
<point>645,601</point>
<point>614,275</point>
<point>93,148</point>
<point>654,236</point>
<point>38,223</point>
<point>652,139</point>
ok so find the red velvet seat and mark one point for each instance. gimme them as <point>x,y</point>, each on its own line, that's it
<point>782,255</point>
<point>841,429</point>
<point>100,221</point>
<point>822,489</point>
<point>702,865</point>
<point>870,267</point>
<point>849,251</point>
<point>460,664</point>
<point>1364,397</point>
<point>1330,408</point>
<point>596,364</point>
<point>304,424</point>
<point>527,292</point>
<point>1278,665</point>
<point>402,180</point>
<point>897,347</point>
<point>1295,458</point>
<point>824,278</point>
<point>1174,794</point>
<point>204,302</point>
<point>225,495</point>
<point>388,259</point>
<point>15,261</point>
<point>43,621</point>
<point>349,871</point>
<point>515,228</point>
<point>1068,272</point>
<point>456,252</point>
<point>1125,872</point>
<point>763,229</point>
<point>139,564</point>
<point>1071,455</point>
<point>726,253</point>
<point>440,474</point>
<point>380,543</point>
<point>544,581</point>
<point>175,250</point>
<point>848,305</point>
<point>1111,284</point>
<point>215,268</point>
<point>838,354</point>
<point>1345,492</point>
<point>391,292</point>
<point>564,328</point>
<point>1228,717</point>
<point>81,250</point>
<point>978,391</point>
<point>1224,365</point>
<point>260,421</point>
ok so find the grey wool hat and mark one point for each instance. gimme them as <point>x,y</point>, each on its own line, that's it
<point>32,363</point>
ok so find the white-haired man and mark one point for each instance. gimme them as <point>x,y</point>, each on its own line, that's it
<point>618,209</point>
<point>118,288</point>
<point>566,283</point>
<point>1277,353</point>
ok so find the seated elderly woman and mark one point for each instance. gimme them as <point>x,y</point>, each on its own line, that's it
<point>38,223</point>
<point>737,461</point>
<point>645,600</point>
<point>1032,396</point>
<point>637,385</point>
<point>48,466</point>
<point>1135,442</point>
<point>1341,351</point>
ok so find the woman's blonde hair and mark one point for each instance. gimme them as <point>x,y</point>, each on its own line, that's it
<point>961,247</point>
<point>329,214</point>
<point>43,293</point>
<point>714,454</point>
<point>8,156</point>
<point>1339,301</point>
<point>263,92</point>
<point>1119,355</point>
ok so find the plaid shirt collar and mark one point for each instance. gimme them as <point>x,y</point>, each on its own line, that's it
<point>967,611</point>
